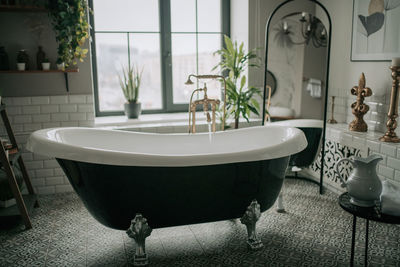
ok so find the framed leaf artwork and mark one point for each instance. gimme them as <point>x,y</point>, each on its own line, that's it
<point>376,30</point>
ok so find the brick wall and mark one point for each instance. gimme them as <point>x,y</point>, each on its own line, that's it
<point>28,114</point>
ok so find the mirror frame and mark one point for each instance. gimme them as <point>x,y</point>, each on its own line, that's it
<point>267,29</point>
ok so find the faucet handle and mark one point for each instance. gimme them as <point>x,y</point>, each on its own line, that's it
<point>208,116</point>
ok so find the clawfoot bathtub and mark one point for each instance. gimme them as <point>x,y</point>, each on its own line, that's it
<point>172,179</point>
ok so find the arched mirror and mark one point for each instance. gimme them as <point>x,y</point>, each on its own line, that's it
<point>297,53</point>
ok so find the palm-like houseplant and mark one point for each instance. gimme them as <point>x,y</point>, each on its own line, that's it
<point>130,85</point>
<point>234,60</point>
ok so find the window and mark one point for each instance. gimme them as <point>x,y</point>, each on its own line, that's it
<point>169,39</point>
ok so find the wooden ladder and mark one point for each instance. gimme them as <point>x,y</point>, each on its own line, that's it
<point>25,203</point>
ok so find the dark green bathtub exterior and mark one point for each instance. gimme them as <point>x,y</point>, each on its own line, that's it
<point>306,157</point>
<point>172,196</point>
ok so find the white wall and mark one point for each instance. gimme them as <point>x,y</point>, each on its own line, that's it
<point>240,21</point>
<point>344,74</point>
<point>28,114</point>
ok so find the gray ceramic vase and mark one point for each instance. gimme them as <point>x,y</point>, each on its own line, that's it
<point>132,110</point>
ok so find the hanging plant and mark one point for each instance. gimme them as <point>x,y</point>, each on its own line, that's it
<point>70,22</point>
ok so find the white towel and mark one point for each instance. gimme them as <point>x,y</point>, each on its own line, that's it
<point>314,87</point>
<point>390,198</point>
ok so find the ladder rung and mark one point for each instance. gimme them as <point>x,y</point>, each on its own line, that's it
<point>12,150</point>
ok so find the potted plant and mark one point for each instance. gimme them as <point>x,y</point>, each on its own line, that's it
<point>240,100</point>
<point>22,60</point>
<point>21,66</point>
<point>60,64</point>
<point>70,23</point>
<point>130,84</point>
<point>46,64</point>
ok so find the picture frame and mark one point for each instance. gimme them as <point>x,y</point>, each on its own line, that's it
<point>375,30</point>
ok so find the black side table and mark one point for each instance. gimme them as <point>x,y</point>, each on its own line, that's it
<point>372,213</point>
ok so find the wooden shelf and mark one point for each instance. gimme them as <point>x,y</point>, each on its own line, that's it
<point>65,72</point>
<point>37,71</point>
<point>29,200</point>
<point>22,8</point>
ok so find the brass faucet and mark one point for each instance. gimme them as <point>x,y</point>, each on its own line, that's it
<point>205,102</point>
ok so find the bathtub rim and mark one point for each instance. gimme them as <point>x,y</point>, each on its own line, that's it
<point>39,143</point>
<point>299,123</point>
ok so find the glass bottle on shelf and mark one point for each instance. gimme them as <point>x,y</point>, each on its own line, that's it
<point>4,63</point>
<point>40,57</point>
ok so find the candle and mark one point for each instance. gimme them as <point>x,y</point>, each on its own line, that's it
<point>396,62</point>
<point>303,14</point>
<point>285,26</point>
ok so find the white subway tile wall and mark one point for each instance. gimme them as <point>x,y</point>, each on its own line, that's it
<point>376,117</point>
<point>389,167</point>
<point>28,114</point>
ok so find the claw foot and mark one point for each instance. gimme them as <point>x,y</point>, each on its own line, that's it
<point>279,207</point>
<point>139,230</point>
<point>250,219</point>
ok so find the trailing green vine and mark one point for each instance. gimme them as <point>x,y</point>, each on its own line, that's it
<point>70,22</point>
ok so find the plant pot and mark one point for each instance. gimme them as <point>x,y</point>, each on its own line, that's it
<point>21,66</point>
<point>61,66</point>
<point>46,65</point>
<point>132,110</point>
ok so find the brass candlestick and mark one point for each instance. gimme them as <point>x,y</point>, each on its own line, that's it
<point>359,108</point>
<point>390,135</point>
<point>332,120</point>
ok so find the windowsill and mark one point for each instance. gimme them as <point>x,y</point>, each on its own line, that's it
<point>160,119</point>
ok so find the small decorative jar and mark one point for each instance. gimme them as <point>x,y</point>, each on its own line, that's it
<point>21,66</point>
<point>45,64</point>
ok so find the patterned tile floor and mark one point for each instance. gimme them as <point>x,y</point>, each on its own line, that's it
<point>315,231</point>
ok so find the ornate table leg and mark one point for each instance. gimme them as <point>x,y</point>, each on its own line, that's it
<point>353,240</point>
<point>139,230</point>
<point>250,219</point>
<point>366,243</point>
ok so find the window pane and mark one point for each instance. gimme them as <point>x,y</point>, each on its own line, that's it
<point>208,44</point>
<point>111,55</point>
<point>145,53</point>
<point>126,15</point>
<point>209,15</point>
<point>183,15</point>
<point>183,64</point>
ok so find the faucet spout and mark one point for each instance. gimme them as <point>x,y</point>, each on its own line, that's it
<point>206,102</point>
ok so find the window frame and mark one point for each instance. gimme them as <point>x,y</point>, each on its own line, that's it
<point>165,56</point>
